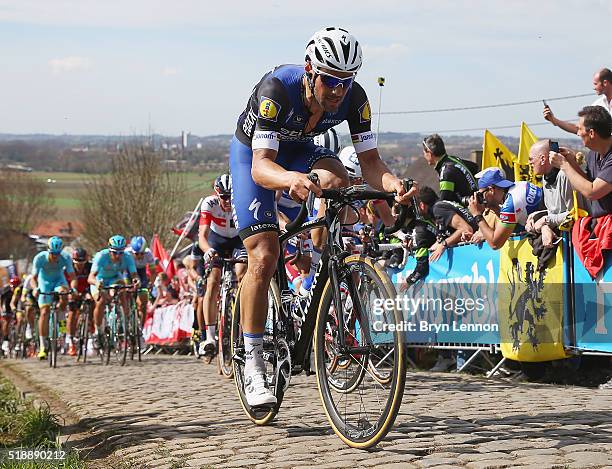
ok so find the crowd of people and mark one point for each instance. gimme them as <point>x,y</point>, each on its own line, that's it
<point>285,133</point>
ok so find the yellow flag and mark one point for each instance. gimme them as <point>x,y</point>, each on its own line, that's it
<point>522,169</point>
<point>495,153</point>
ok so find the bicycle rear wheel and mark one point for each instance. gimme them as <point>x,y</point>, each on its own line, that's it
<point>224,325</point>
<point>276,355</point>
<point>360,418</point>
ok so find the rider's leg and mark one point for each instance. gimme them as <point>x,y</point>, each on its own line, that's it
<point>263,252</point>
<point>142,300</point>
<point>211,306</point>
<point>332,175</point>
<point>240,271</point>
<point>43,325</point>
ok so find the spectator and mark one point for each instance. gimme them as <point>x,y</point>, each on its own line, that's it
<point>456,224</point>
<point>422,234</point>
<point>595,130</point>
<point>602,84</point>
<point>517,201</point>
<point>166,294</point>
<point>456,175</point>
<point>558,195</point>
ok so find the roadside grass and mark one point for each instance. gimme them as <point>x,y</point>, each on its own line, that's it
<point>24,425</point>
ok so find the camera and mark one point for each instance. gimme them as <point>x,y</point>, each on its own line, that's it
<point>479,198</point>
<point>554,146</point>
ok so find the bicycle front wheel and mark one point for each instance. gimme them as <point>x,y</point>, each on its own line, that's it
<point>120,337</point>
<point>224,324</point>
<point>362,410</point>
<point>53,338</point>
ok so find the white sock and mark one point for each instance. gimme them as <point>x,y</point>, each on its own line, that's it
<point>210,333</point>
<point>253,346</point>
<point>68,338</point>
<point>96,330</point>
<point>42,341</point>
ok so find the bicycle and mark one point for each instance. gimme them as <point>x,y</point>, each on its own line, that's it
<point>134,329</point>
<point>291,325</point>
<point>54,327</point>
<point>83,328</point>
<point>227,293</point>
<point>114,336</point>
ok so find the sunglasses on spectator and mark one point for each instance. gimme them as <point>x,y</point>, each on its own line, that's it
<point>426,146</point>
<point>334,82</point>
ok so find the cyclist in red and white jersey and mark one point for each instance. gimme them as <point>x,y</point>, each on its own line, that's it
<point>218,238</point>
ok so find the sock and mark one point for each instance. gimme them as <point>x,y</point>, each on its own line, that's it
<point>68,339</point>
<point>42,341</point>
<point>314,261</point>
<point>96,330</point>
<point>210,332</point>
<point>253,346</point>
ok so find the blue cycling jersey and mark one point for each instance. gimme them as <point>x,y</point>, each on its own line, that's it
<point>522,199</point>
<point>51,272</point>
<point>105,268</point>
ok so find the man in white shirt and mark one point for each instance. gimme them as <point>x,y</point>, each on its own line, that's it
<point>602,84</point>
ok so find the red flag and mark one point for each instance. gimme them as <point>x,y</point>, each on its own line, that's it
<point>165,263</point>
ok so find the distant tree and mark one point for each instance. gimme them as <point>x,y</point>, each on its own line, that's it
<point>24,201</point>
<point>138,196</point>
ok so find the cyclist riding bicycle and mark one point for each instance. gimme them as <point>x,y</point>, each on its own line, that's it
<point>110,267</point>
<point>82,268</point>
<point>50,271</point>
<point>143,257</point>
<point>218,238</point>
<point>29,304</point>
<point>272,150</point>
<point>7,311</point>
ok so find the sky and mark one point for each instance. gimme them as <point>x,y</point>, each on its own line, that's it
<point>123,67</point>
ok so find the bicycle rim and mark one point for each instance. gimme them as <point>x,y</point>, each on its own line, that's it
<point>53,341</point>
<point>226,367</point>
<point>120,338</point>
<point>259,416</point>
<point>363,417</point>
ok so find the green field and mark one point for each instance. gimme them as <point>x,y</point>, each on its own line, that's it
<point>69,188</point>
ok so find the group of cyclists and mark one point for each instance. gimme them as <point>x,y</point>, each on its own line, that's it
<point>71,280</point>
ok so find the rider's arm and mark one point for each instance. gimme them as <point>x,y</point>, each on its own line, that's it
<point>203,237</point>
<point>92,277</point>
<point>73,280</point>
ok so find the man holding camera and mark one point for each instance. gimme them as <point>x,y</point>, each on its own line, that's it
<point>513,201</point>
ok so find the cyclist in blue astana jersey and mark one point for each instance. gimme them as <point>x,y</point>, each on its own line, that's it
<point>110,267</point>
<point>49,271</point>
<point>143,258</point>
<point>272,150</point>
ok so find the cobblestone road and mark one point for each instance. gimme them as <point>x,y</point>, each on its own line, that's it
<point>171,412</point>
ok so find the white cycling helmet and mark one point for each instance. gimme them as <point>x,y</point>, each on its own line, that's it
<point>328,140</point>
<point>334,49</point>
<point>349,159</point>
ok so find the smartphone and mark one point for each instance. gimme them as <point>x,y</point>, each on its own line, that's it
<point>554,146</point>
<point>544,103</point>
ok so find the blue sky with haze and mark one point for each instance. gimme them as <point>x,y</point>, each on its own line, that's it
<point>107,67</point>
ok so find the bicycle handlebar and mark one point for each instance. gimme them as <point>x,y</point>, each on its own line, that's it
<point>306,208</point>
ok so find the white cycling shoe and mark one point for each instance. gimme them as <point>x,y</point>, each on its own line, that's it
<point>257,392</point>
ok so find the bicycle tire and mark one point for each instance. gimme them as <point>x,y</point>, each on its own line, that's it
<point>258,416</point>
<point>53,338</point>
<point>224,325</point>
<point>120,336</point>
<point>86,335</point>
<point>347,422</point>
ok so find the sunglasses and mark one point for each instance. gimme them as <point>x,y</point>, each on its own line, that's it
<point>225,196</point>
<point>333,82</point>
<point>117,253</point>
<point>426,146</point>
